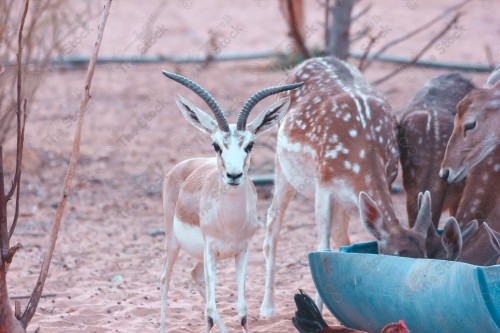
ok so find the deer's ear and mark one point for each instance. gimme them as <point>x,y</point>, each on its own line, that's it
<point>270,117</point>
<point>452,239</point>
<point>424,216</point>
<point>469,230</point>
<point>196,116</point>
<point>371,217</point>
<point>494,237</point>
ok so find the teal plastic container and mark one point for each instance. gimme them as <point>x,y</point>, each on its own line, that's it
<point>366,291</point>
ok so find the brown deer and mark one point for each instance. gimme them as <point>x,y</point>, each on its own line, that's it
<point>210,204</point>
<point>337,145</point>
<point>473,152</point>
<point>424,131</point>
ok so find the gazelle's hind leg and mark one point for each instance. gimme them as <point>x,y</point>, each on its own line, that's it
<point>198,275</point>
<point>340,226</point>
<point>323,215</point>
<point>283,192</point>
<point>241,262</point>
<point>171,257</point>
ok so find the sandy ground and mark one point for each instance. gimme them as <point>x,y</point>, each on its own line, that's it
<point>106,268</point>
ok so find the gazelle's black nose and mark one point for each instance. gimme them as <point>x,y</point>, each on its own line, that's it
<point>444,173</point>
<point>234,176</point>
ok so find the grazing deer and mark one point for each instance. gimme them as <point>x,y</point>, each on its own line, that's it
<point>424,131</point>
<point>337,145</point>
<point>210,204</point>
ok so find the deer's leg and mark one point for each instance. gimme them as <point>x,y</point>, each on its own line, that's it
<point>211,314</point>
<point>198,275</point>
<point>170,258</point>
<point>241,262</point>
<point>340,226</point>
<point>283,192</point>
<point>323,214</point>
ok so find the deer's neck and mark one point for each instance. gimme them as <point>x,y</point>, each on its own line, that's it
<point>478,250</point>
<point>482,192</point>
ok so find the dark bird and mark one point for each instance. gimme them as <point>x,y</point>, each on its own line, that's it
<point>308,319</point>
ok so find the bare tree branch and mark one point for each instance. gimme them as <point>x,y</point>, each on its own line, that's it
<point>416,31</point>
<point>295,30</point>
<point>37,292</point>
<point>19,152</point>
<point>367,50</point>
<point>420,53</point>
<point>362,12</point>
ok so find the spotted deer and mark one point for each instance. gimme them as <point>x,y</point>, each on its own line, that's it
<point>337,145</point>
<point>210,204</point>
<point>424,130</point>
<point>473,151</point>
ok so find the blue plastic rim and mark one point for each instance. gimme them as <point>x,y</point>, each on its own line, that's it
<point>366,291</point>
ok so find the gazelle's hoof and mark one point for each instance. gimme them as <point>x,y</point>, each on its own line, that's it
<point>210,324</point>
<point>267,311</point>
<point>244,324</point>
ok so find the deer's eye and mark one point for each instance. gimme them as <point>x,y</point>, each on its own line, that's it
<point>216,147</point>
<point>469,126</point>
<point>249,147</point>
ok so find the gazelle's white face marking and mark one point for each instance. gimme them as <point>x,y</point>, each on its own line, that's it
<point>233,154</point>
<point>233,147</point>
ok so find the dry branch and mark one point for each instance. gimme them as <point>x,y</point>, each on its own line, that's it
<point>361,65</point>
<point>421,52</point>
<point>37,292</point>
<point>338,33</point>
<point>416,31</point>
<point>296,29</point>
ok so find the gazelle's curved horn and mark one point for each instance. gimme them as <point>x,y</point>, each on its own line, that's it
<point>252,101</point>
<point>219,115</point>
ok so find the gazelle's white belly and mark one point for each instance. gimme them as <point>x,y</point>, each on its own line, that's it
<point>190,238</point>
<point>298,165</point>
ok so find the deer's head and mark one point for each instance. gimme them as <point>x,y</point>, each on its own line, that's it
<point>232,143</point>
<point>392,238</point>
<point>475,133</point>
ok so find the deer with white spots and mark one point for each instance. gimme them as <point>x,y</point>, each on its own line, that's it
<point>210,204</point>
<point>473,151</point>
<point>337,145</point>
<point>424,131</point>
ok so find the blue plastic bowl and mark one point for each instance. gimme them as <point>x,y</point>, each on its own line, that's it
<point>366,291</point>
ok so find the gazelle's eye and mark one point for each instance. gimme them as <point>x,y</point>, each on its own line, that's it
<point>216,147</point>
<point>249,147</point>
<point>469,126</point>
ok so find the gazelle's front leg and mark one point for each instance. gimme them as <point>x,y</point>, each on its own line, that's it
<point>283,192</point>
<point>241,262</point>
<point>211,314</point>
<point>170,258</point>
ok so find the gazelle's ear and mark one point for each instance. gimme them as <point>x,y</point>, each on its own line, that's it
<point>452,239</point>
<point>372,217</point>
<point>270,117</point>
<point>196,116</point>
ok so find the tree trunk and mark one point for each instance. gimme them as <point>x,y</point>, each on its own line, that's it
<point>338,31</point>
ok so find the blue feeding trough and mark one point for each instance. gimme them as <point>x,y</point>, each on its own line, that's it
<point>366,291</point>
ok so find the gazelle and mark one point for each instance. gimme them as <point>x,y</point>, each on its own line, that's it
<point>337,145</point>
<point>424,131</point>
<point>210,204</point>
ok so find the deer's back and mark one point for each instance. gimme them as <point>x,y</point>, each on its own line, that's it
<point>337,122</point>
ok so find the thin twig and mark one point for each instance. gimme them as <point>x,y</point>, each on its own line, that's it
<point>18,191</point>
<point>361,12</point>
<point>28,296</point>
<point>416,31</point>
<point>372,41</point>
<point>37,291</point>
<point>489,55</point>
<point>19,152</point>
<point>420,53</point>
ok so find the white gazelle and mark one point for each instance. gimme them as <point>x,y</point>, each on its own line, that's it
<point>210,204</point>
